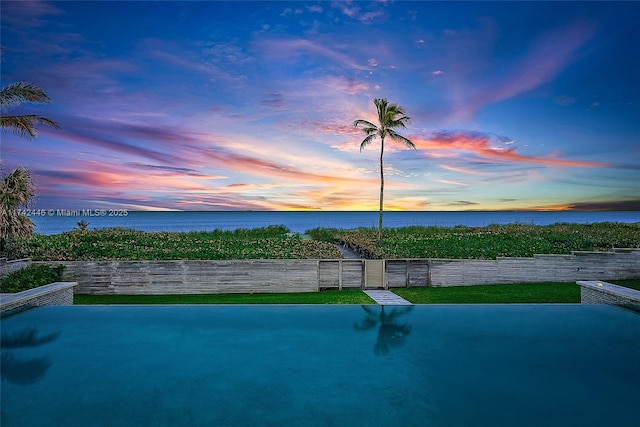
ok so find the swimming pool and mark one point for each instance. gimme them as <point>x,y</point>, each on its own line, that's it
<point>314,365</point>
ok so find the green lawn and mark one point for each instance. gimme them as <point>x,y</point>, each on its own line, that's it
<point>526,293</point>
<point>324,297</point>
<point>494,294</point>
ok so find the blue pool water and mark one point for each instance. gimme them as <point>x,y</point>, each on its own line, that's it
<point>321,366</point>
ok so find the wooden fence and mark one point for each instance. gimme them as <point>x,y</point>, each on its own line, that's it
<point>269,276</point>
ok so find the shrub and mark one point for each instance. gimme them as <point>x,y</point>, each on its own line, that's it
<point>272,242</point>
<point>514,240</point>
<point>31,277</point>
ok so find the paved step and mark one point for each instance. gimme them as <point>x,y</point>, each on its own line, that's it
<point>386,298</point>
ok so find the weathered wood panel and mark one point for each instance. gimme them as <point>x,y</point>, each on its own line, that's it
<point>352,273</point>
<point>193,277</point>
<point>448,272</point>
<point>403,273</point>
<point>257,276</point>
<point>419,272</point>
<point>329,274</point>
<point>397,273</point>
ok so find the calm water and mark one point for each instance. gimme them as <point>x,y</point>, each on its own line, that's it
<point>52,222</point>
<point>499,365</point>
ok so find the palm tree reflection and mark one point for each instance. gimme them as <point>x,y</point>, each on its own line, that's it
<point>21,371</point>
<point>390,333</point>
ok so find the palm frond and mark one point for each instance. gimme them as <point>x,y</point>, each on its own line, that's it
<point>25,126</point>
<point>13,224</point>
<point>399,138</point>
<point>16,189</point>
<point>21,92</point>
<point>366,123</point>
<point>368,140</point>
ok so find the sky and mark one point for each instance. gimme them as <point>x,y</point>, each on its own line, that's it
<point>214,105</point>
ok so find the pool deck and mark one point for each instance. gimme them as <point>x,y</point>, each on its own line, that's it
<point>386,298</point>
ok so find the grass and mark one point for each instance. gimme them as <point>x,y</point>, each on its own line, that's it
<point>275,242</point>
<point>490,242</point>
<point>324,297</point>
<point>526,293</point>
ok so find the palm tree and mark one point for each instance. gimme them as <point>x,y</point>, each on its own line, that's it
<point>16,190</point>
<point>18,93</point>
<point>390,116</point>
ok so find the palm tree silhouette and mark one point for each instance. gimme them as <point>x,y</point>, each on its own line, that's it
<point>390,116</point>
<point>390,334</point>
<point>16,370</point>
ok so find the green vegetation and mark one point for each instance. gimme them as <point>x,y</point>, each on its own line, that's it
<point>528,293</point>
<point>324,297</point>
<point>515,240</point>
<point>273,242</point>
<point>523,293</point>
<point>31,277</point>
<point>276,242</point>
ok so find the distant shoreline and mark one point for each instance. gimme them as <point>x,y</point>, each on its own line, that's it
<point>301,221</point>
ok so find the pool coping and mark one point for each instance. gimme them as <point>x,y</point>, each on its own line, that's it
<point>599,292</point>
<point>57,293</point>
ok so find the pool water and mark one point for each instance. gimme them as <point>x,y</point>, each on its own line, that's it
<point>324,365</point>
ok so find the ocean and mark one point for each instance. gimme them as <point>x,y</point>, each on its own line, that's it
<point>58,221</point>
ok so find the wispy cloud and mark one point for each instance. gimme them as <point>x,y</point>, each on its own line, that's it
<point>547,56</point>
<point>27,13</point>
<point>489,147</point>
<point>290,49</point>
<point>273,100</point>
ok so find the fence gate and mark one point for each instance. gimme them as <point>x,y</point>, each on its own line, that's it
<point>374,274</point>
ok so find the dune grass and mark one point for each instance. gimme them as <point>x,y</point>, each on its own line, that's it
<point>277,242</point>
<point>490,242</point>
<point>274,242</point>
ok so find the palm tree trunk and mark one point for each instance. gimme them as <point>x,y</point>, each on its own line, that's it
<point>381,193</point>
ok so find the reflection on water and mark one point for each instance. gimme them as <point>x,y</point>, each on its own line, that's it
<point>390,333</point>
<point>18,370</point>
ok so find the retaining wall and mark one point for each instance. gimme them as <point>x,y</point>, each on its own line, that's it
<point>7,267</point>
<point>268,276</point>
<point>58,293</point>
<point>192,277</point>
<point>617,264</point>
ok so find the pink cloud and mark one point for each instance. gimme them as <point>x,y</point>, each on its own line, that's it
<point>483,146</point>
<point>546,58</point>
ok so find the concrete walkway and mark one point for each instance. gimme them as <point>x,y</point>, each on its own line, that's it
<point>386,298</point>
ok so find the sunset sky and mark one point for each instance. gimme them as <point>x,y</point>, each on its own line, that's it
<point>213,105</point>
